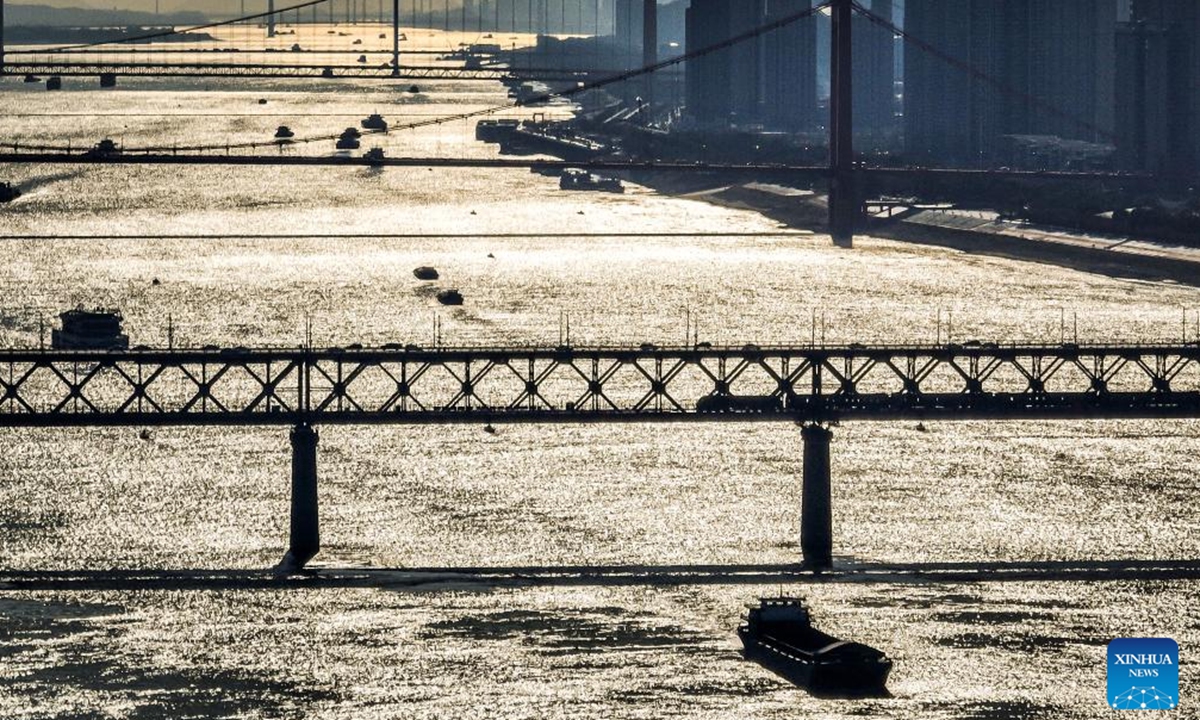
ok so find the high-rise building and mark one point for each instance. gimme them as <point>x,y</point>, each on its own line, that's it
<point>790,69</point>
<point>1158,87</point>
<point>768,80</point>
<point>627,24</point>
<point>1024,67</point>
<point>874,70</point>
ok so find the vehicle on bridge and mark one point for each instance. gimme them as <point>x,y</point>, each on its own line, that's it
<point>779,635</point>
<point>720,403</point>
<point>97,329</point>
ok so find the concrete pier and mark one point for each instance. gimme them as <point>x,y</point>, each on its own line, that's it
<point>305,537</point>
<point>816,511</point>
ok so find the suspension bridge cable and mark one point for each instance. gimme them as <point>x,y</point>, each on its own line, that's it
<point>181,31</point>
<point>625,76</point>
<point>983,77</point>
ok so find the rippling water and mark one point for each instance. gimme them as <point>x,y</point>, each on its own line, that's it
<point>627,551</point>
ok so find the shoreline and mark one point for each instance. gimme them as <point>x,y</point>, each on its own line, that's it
<point>972,232</point>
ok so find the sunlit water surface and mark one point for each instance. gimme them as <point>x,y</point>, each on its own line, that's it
<point>537,497</point>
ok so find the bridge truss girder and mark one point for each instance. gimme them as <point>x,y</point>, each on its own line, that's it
<point>299,70</point>
<point>577,385</point>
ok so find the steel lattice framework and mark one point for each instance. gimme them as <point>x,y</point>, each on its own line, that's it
<point>576,384</point>
<point>269,70</point>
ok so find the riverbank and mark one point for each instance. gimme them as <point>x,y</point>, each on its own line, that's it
<point>978,232</point>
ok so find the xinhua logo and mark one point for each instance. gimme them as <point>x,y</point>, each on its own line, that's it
<point>1143,674</point>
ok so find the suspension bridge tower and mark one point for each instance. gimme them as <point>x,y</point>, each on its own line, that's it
<point>843,194</point>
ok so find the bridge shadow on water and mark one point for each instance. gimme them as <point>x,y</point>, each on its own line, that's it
<point>487,578</point>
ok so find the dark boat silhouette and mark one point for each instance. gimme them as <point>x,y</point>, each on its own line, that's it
<point>375,121</point>
<point>778,634</point>
<point>104,149</point>
<point>450,296</point>
<point>349,140</point>
<point>9,192</point>
<point>98,329</point>
<point>576,179</point>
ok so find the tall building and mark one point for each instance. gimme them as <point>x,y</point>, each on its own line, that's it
<point>627,26</point>
<point>1047,68</point>
<point>767,80</point>
<point>874,70</point>
<point>1158,86</point>
<point>790,70</point>
<point>708,80</point>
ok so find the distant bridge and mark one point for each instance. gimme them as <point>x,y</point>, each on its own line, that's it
<point>166,68</point>
<point>235,155</point>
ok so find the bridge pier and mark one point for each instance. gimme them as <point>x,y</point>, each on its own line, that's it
<point>816,510</point>
<point>305,536</point>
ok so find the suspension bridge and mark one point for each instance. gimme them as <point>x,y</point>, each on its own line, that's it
<point>843,174</point>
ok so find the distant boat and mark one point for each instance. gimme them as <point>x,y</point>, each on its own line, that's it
<point>450,296</point>
<point>8,192</point>
<point>495,130</point>
<point>374,156</point>
<point>98,329</point>
<point>104,149</point>
<point>779,635</point>
<point>425,273</point>
<point>576,179</point>
<point>374,121</point>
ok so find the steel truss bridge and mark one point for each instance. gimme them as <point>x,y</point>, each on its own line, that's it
<point>233,155</point>
<point>813,386</point>
<point>399,385</point>
<point>292,70</point>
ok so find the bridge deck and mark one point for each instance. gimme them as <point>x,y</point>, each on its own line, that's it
<point>166,68</point>
<point>410,384</point>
